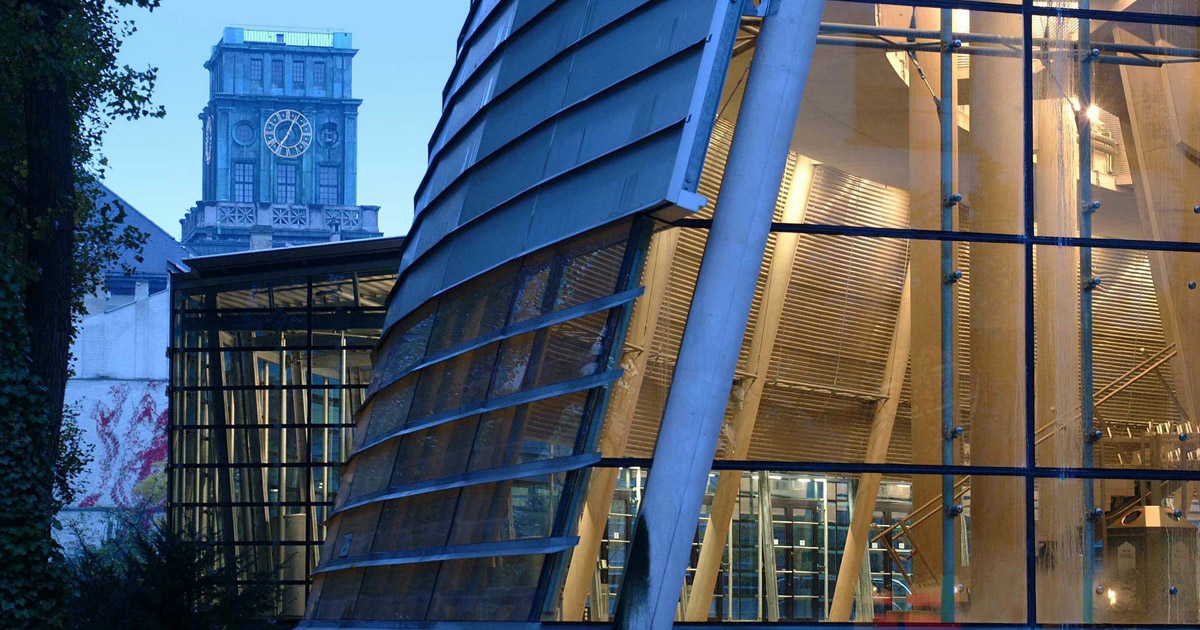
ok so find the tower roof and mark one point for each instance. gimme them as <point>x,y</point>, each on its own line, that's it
<point>281,36</point>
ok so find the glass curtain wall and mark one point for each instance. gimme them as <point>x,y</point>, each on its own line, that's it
<point>475,436</point>
<point>265,375</point>
<point>965,390</point>
<point>964,382</point>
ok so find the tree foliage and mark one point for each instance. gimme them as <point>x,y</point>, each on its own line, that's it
<point>60,87</point>
<point>148,578</point>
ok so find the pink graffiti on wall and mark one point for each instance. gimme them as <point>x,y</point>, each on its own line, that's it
<point>131,442</point>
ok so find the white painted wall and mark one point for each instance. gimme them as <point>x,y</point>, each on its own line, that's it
<point>125,342</point>
<point>120,394</point>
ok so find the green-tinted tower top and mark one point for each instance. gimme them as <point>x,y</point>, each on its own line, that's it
<point>279,143</point>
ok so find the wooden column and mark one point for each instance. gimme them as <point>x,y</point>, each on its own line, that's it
<point>1161,135</point>
<point>924,176</point>
<point>1057,372</point>
<point>997,312</point>
<point>619,419</point>
<point>859,533</point>
<point>762,344</point>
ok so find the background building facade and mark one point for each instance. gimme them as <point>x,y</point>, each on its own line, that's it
<point>118,391</point>
<point>279,144</point>
<point>270,354</point>
<point>790,312</point>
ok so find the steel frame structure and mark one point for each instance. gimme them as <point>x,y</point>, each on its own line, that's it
<point>947,44</point>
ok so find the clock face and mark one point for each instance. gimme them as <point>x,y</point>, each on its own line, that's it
<point>208,140</point>
<point>287,133</point>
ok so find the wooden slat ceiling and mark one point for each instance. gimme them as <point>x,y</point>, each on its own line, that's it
<point>840,315</point>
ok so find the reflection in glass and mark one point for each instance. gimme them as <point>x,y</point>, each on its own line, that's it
<point>1145,556</point>
<point>260,419</point>
<point>782,559</point>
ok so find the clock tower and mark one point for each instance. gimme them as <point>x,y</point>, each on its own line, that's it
<point>279,144</point>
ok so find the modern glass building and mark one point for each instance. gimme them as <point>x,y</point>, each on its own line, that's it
<point>270,355</point>
<point>791,312</point>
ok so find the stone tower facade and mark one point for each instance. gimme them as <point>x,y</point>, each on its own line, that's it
<point>279,144</point>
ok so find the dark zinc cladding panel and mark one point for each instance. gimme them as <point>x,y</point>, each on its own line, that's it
<point>595,111</point>
<point>593,62</point>
<point>532,33</point>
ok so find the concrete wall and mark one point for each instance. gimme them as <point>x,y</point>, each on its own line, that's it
<point>120,395</point>
<point>127,341</point>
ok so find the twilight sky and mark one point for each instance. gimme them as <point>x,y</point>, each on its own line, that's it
<point>406,50</point>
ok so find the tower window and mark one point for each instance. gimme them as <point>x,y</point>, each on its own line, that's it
<point>298,74</point>
<point>243,182</point>
<point>277,73</point>
<point>319,73</point>
<point>327,185</point>
<point>285,183</point>
<point>256,70</point>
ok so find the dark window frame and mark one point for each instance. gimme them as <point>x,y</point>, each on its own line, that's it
<point>185,502</point>
<point>286,183</point>
<point>329,187</point>
<point>243,182</point>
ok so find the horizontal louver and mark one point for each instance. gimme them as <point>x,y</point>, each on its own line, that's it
<point>839,319</point>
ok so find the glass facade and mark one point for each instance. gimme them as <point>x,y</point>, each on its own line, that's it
<point>474,438</point>
<point>267,367</point>
<point>964,393</point>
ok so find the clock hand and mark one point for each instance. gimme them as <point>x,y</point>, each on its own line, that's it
<point>289,131</point>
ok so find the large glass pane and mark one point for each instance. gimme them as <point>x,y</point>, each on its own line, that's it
<point>338,595</point>
<point>457,382</point>
<point>373,469</point>
<point>389,408</point>
<point>1142,546</point>
<point>559,353</point>
<point>772,547</point>
<point>361,288</point>
<point>868,138</point>
<point>473,310</point>
<point>540,430</point>
<point>355,531</point>
<point>591,269</point>
<point>242,295</point>
<point>1140,359</point>
<point>330,406</point>
<point>1143,121</point>
<point>847,352</point>
<point>486,589</point>
<point>417,522</point>
<point>439,451</point>
<point>290,293</point>
<point>404,346</point>
<point>396,593</point>
<point>507,510</point>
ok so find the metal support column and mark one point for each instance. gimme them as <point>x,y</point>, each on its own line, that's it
<point>1087,283</point>
<point>766,535</point>
<point>762,344</point>
<point>947,111</point>
<point>695,409</point>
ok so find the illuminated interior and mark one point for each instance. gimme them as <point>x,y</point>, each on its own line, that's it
<point>962,394</point>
